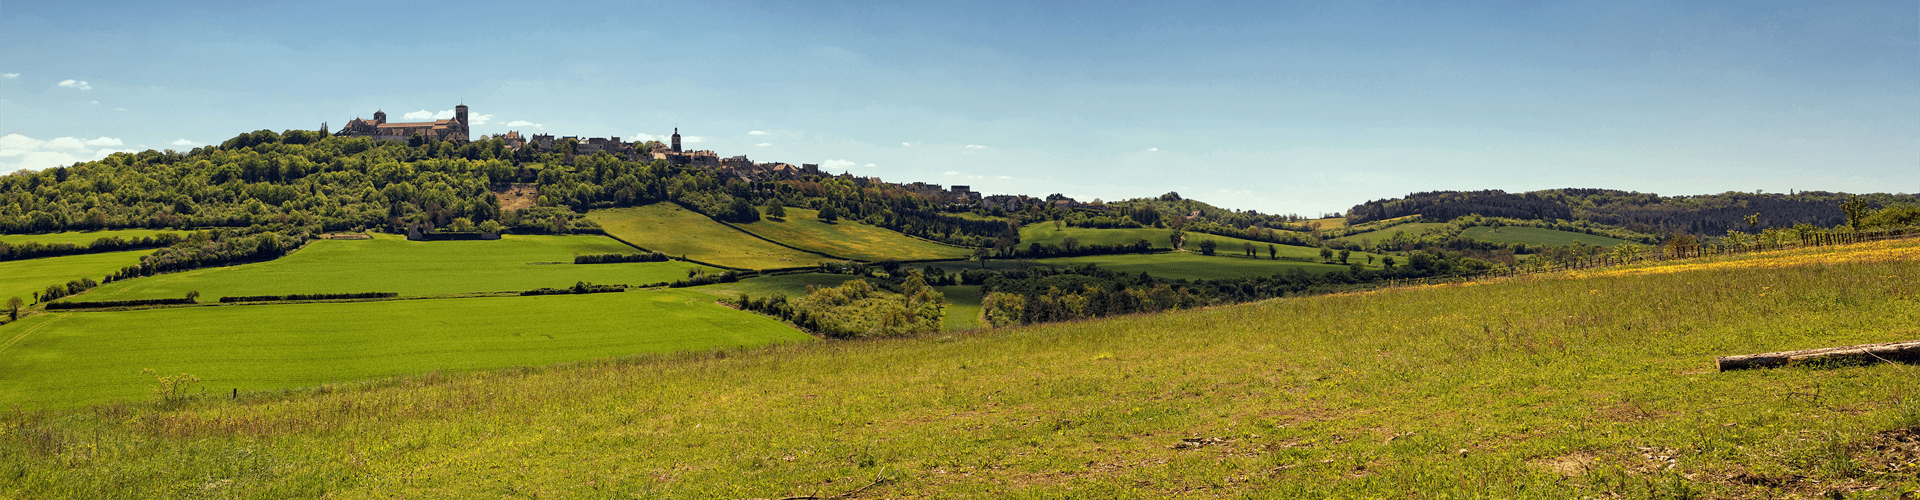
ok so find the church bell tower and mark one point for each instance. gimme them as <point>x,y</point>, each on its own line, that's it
<point>676,139</point>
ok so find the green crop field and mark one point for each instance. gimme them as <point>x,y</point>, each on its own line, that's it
<point>669,229</point>
<point>63,359</point>
<point>390,263</point>
<point>1536,236</point>
<point>963,308</point>
<point>801,228</point>
<point>83,237</point>
<point>1411,228</point>
<point>1551,387</point>
<point>1189,265</point>
<point>21,278</point>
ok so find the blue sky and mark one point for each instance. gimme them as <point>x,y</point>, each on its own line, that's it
<point>1281,107</point>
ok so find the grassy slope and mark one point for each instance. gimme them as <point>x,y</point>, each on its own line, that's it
<point>83,237</point>
<point>1045,233</point>
<point>963,308</point>
<point>1536,236</point>
<point>801,228</point>
<point>390,263</point>
<point>21,278</point>
<point>669,229</point>
<point>1189,265</point>
<point>1412,229</point>
<point>68,358</point>
<point>1541,388</point>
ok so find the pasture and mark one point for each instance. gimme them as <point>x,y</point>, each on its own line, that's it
<point>390,263</point>
<point>1411,229</point>
<point>669,229</point>
<point>84,237</point>
<point>1537,236</point>
<point>963,308</point>
<point>1541,387</point>
<point>802,228</point>
<point>21,278</point>
<point>1159,238</point>
<point>71,358</point>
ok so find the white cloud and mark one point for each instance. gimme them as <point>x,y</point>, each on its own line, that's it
<point>756,132</point>
<point>10,75</point>
<point>19,152</point>
<point>905,145</point>
<point>1153,149</point>
<point>428,115</point>
<point>524,123</point>
<point>837,164</point>
<point>764,144</point>
<point>66,143</point>
<point>692,139</point>
<point>975,146</point>
<point>184,142</point>
<point>93,102</point>
<point>950,172</point>
<point>17,141</point>
<point>869,164</point>
<point>1003,177</point>
<point>479,119</point>
<point>76,84</point>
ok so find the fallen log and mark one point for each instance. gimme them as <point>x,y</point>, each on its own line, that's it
<point>1908,351</point>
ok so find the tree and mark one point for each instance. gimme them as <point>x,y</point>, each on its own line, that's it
<point>13,307</point>
<point>1856,209</point>
<point>1344,254</point>
<point>1387,261</point>
<point>490,226</point>
<point>1326,254</point>
<point>1179,239</point>
<point>193,295</point>
<point>1753,221</point>
<point>829,214</point>
<point>1248,246</point>
<point>1273,253</point>
<point>742,211</point>
<point>775,209</point>
<point>1207,246</point>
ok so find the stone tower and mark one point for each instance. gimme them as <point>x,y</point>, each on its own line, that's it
<point>676,139</point>
<point>379,117</point>
<point>460,115</point>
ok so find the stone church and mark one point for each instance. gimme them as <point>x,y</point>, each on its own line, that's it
<point>378,128</point>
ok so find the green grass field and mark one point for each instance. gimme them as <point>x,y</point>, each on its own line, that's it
<point>1537,236</point>
<point>84,237</point>
<point>88,357</point>
<point>389,263</point>
<point>1550,387</point>
<point>669,229</point>
<point>1411,228</point>
<point>1045,233</point>
<point>21,278</point>
<point>801,228</point>
<point>1189,265</point>
<point>963,308</point>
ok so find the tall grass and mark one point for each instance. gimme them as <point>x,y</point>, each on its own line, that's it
<point>1540,387</point>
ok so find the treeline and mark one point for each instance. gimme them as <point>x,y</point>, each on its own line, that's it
<point>308,296</point>
<point>857,309</point>
<point>102,304</point>
<point>614,258</point>
<point>1043,294</point>
<point>54,292</point>
<point>1071,247</point>
<point>579,287</point>
<point>220,247</point>
<point>1702,215</point>
<point>35,250</point>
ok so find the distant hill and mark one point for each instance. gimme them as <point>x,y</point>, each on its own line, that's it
<point>1709,214</point>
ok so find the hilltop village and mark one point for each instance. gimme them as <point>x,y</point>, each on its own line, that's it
<point>456,129</point>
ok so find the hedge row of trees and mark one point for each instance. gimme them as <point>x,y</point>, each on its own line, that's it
<point>119,303</point>
<point>55,292</point>
<point>857,308</point>
<point>35,250</point>
<point>579,287</point>
<point>308,296</point>
<point>221,247</point>
<point>615,258</point>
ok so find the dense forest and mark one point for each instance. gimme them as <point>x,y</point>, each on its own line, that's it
<point>1705,215</point>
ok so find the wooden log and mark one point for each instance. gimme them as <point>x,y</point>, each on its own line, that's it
<point>1908,351</point>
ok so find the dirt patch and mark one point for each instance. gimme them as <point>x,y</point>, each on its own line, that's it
<point>1574,464</point>
<point>1893,454</point>
<point>517,196</point>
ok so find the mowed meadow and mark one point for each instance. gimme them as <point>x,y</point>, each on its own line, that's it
<point>391,263</point>
<point>1553,386</point>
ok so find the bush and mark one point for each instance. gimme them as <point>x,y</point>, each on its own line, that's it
<point>117,303</point>
<point>613,258</point>
<point>579,287</point>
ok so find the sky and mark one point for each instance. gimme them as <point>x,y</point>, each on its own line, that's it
<point>1281,107</point>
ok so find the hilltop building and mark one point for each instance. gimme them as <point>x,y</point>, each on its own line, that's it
<point>378,129</point>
